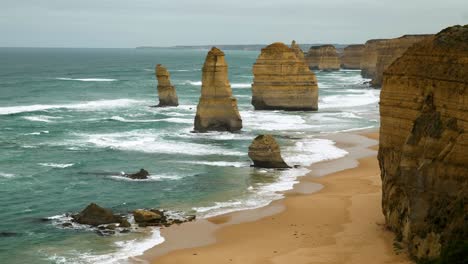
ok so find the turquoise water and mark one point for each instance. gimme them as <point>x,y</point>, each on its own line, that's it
<point>73,119</point>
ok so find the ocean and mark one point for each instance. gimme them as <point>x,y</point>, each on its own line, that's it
<point>73,120</point>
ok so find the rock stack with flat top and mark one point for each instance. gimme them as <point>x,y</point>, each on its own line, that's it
<point>166,91</point>
<point>265,153</point>
<point>423,153</point>
<point>352,57</point>
<point>324,57</point>
<point>282,81</point>
<point>217,108</point>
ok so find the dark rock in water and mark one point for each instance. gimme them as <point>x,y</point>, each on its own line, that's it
<point>265,153</point>
<point>124,223</point>
<point>147,217</point>
<point>8,234</point>
<point>141,175</point>
<point>67,225</point>
<point>105,232</point>
<point>95,215</point>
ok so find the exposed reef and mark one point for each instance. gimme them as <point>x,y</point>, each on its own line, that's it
<point>166,91</point>
<point>424,145</point>
<point>217,108</point>
<point>282,81</point>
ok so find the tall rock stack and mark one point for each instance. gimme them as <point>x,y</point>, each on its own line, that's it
<point>297,50</point>
<point>323,57</point>
<point>369,58</point>
<point>390,50</point>
<point>352,57</point>
<point>217,108</point>
<point>423,152</point>
<point>282,81</point>
<point>166,91</point>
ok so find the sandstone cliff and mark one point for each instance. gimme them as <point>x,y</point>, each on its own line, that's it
<point>265,153</point>
<point>217,108</point>
<point>423,151</point>
<point>282,81</point>
<point>390,50</point>
<point>166,91</point>
<point>369,58</point>
<point>297,50</point>
<point>323,57</point>
<point>352,56</point>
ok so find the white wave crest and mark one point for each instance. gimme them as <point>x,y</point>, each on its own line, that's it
<point>220,163</point>
<point>367,97</point>
<point>7,175</point>
<point>81,106</point>
<point>241,85</point>
<point>57,165</point>
<point>87,79</point>
<point>42,118</point>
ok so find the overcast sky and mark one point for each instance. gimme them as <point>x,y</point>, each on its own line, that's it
<point>131,23</point>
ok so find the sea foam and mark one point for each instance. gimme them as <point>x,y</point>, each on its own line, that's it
<point>87,79</point>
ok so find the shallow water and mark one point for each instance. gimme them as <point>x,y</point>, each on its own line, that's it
<point>73,119</point>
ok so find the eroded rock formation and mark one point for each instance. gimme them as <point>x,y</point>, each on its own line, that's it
<point>323,57</point>
<point>423,151</point>
<point>297,50</point>
<point>217,108</point>
<point>352,56</point>
<point>95,215</point>
<point>265,153</point>
<point>166,91</point>
<point>369,58</point>
<point>282,81</point>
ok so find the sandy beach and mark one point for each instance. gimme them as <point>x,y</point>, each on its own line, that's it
<point>331,219</point>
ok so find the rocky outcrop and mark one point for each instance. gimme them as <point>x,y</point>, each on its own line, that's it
<point>369,58</point>
<point>155,217</point>
<point>265,153</point>
<point>323,58</point>
<point>141,175</point>
<point>424,145</point>
<point>282,81</point>
<point>95,215</point>
<point>352,55</point>
<point>390,50</point>
<point>297,50</point>
<point>166,91</point>
<point>217,108</point>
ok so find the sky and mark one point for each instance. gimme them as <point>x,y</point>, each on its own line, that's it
<point>132,23</point>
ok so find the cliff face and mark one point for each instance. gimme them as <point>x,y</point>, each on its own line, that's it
<point>323,57</point>
<point>282,81</point>
<point>166,91</point>
<point>369,58</point>
<point>217,108</point>
<point>297,50</point>
<point>390,50</point>
<point>423,152</point>
<point>352,56</point>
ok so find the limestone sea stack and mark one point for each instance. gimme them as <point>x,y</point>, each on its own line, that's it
<point>369,58</point>
<point>324,57</point>
<point>423,152</point>
<point>265,153</point>
<point>352,57</point>
<point>217,108</point>
<point>282,81</point>
<point>390,50</point>
<point>166,91</point>
<point>297,50</point>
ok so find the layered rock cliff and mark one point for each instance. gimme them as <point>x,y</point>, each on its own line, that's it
<point>352,55</point>
<point>390,50</point>
<point>423,152</point>
<point>369,58</point>
<point>323,57</point>
<point>282,81</point>
<point>297,50</point>
<point>265,153</point>
<point>217,108</point>
<point>166,91</point>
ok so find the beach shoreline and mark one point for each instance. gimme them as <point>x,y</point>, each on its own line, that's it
<point>346,224</point>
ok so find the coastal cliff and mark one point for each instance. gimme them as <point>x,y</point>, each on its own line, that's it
<point>323,57</point>
<point>352,56</point>
<point>424,145</point>
<point>282,81</point>
<point>166,91</point>
<point>217,108</point>
<point>390,50</point>
<point>369,58</point>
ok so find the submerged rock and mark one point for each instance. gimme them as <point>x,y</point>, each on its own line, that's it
<point>95,215</point>
<point>324,57</point>
<point>217,108</point>
<point>166,91</point>
<point>282,81</point>
<point>265,153</point>
<point>141,175</point>
<point>424,145</point>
